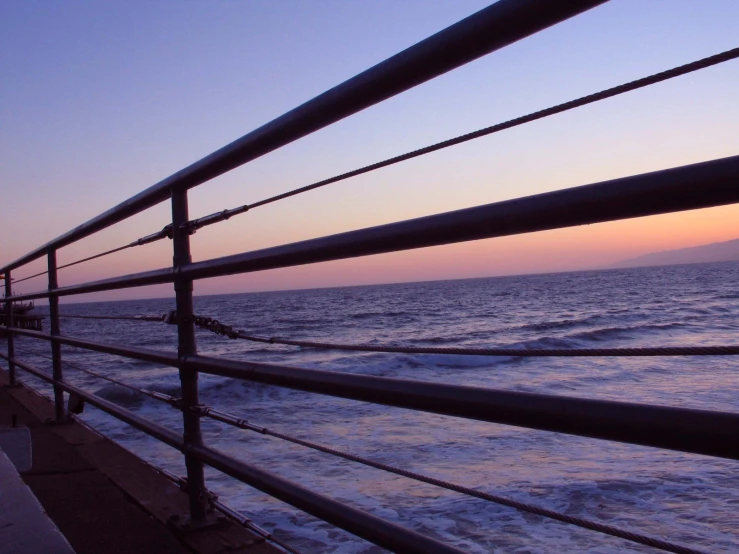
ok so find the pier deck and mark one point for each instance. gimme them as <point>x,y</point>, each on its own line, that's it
<point>102,497</point>
<point>24,526</point>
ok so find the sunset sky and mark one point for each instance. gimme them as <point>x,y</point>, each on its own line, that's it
<point>99,100</point>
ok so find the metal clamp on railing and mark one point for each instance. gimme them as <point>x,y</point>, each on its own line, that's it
<point>240,518</point>
<point>224,417</point>
<point>171,400</point>
<point>166,232</point>
<point>206,494</point>
<point>195,224</point>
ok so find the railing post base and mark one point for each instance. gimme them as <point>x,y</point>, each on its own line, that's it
<point>186,525</point>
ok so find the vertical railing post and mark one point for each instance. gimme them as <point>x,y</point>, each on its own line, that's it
<point>9,323</point>
<point>186,347</point>
<point>56,348</point>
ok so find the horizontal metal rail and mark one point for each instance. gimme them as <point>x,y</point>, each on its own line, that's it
<point>166,232</point>
<point>155,356</point>
<point>490,29</point>
<point>150,318</point>
<point>711,433</point>
<point>89,258</point>
<point>232,514</point>
<point>689,187</point>
<point>235,421</point>
<point>359,523</point>
<point>639,538</point>
<point>158,432</point>
<point>705,432</point>
<point>695,186</point>
<point>154,277</point>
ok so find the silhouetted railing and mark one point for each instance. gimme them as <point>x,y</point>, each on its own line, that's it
<point>689,187</point>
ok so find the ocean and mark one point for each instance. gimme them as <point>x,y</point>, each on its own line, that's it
<point>684,498</point>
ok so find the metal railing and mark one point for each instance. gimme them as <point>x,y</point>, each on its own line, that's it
<point>689,187</point>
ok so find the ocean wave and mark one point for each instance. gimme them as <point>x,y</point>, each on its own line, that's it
<point>381,314</point>
<point>457,360</point>
<point>121,395</point>
<point>559,323</point>
<point>727,296</point>
<point>630,331</point>
<point>438,340</point>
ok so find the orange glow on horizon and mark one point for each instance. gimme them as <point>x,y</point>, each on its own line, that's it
<point>578,248</point>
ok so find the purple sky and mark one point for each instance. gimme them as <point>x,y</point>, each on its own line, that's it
<point>100,100</point>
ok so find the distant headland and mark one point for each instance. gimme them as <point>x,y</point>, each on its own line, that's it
<point>715,252</point>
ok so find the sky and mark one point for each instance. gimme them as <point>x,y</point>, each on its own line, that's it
<point>99,100</point>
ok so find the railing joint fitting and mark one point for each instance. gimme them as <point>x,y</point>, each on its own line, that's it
<point>190,226</point>
<point>183,361</point>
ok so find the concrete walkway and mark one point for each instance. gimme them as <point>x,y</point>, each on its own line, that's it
<point>103,498</point>
<point>24,527</point>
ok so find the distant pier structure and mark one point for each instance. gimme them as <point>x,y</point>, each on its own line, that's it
<point>22,317</point>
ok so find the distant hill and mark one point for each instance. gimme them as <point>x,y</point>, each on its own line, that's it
<point>716,252</point>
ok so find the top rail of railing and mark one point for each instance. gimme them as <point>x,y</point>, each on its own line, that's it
<point>490,29</point>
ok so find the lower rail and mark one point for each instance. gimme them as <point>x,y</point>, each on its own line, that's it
<point>688,430</point>
<point>229,419</point>
<point>234,421</point>
<point>355,521</point>
<point>710,433</point>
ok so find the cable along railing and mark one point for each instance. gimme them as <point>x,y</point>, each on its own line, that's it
<point>702,185</point>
